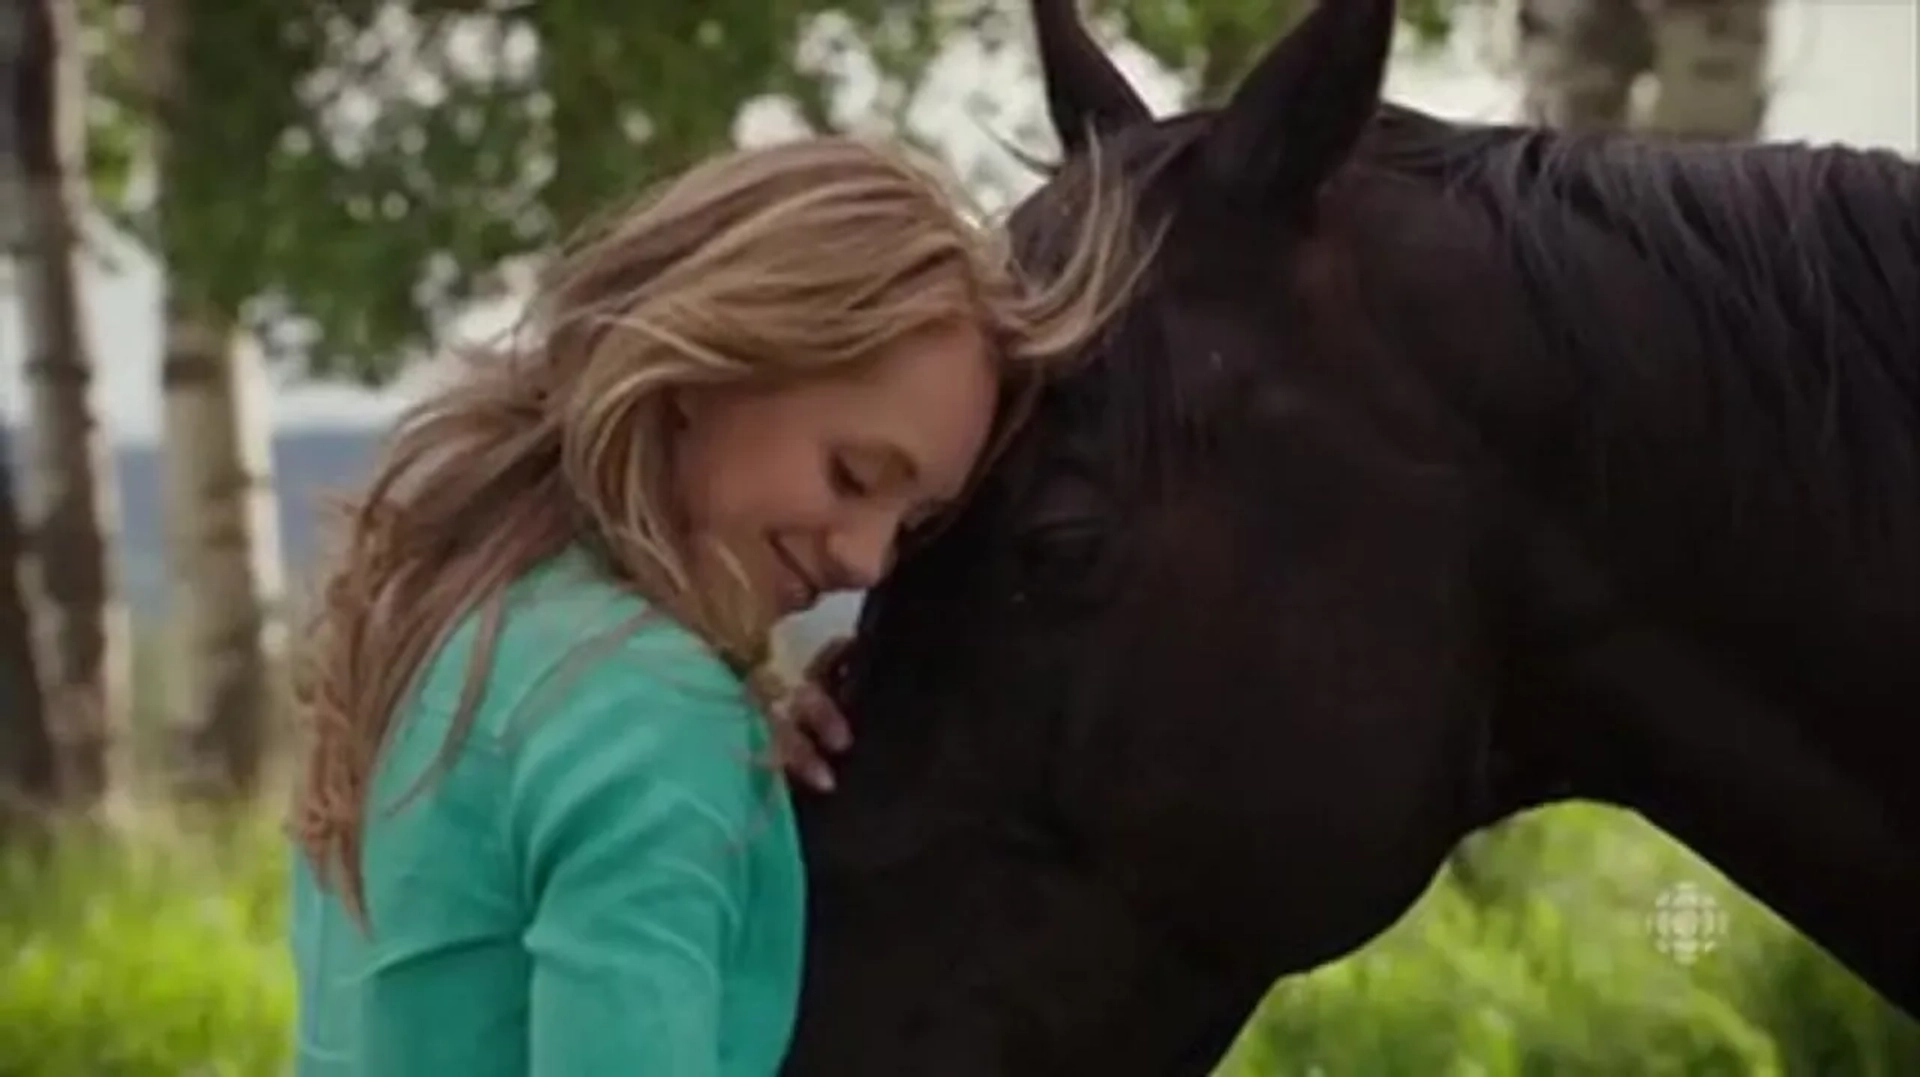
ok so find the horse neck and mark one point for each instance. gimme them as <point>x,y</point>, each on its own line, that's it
<point>1636,717</point>
<point>1704,384</point>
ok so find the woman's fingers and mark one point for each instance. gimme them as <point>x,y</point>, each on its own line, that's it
<point>809,721</point>
<point>817,713</point>
<point>821,667</point>
<point>801,757</point>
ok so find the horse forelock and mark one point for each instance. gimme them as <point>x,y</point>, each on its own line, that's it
<point>1127,404</point>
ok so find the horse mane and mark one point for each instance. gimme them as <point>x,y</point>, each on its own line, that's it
<point>1800,265</point>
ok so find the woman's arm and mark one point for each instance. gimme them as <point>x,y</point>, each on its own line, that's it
<point>629,806</point>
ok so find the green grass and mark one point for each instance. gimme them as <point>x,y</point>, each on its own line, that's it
<point>149,956</point>
<point>1548,965</point>
<point>161,955</point>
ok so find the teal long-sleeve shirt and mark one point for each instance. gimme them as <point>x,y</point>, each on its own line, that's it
<point>605,879</point>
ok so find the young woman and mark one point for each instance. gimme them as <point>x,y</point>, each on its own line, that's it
<point>543,828</point>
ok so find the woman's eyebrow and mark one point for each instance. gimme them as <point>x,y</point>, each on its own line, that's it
<point>901,467</point>
<point>897,463</point>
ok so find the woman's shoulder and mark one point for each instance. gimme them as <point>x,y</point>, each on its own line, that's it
<point>600,720</point>
<point>581,667</point>
<point>582,661</point>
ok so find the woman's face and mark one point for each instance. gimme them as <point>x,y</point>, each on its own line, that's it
<point>810,486</point>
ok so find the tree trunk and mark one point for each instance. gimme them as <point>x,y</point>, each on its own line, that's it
<point>27,769</point>
<point>1579,61</point>
<point>1705,62</point>
<point>71,507</point>
<point>223,535</point>
<point>1710,68</point>
<point>223,541</point>
<point>26,750</point>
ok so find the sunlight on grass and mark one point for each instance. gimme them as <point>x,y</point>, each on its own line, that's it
<point>1548,963</point>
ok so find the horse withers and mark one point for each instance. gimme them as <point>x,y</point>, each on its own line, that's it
<point>1433,472</point>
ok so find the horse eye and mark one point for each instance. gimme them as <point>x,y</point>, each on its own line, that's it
<point>1057,562</point>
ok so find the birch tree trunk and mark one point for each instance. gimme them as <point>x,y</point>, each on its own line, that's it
<point>71,507</point>
<point>1580,60</point>
<point>27,772</point>
<point>223,535</point>
<point>1705,63</point>
<point>26,750</point>
<point>1710,67</point>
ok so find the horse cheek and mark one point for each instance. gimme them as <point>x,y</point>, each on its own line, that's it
<point>1278,702</point>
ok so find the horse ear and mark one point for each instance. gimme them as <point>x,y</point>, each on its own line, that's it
<point>1302,109</point>
<point>1086,93</point>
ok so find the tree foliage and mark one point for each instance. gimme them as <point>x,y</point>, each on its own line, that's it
<point>352,173</point>
<point>348,173</point>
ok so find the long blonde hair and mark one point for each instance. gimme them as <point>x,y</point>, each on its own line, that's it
<point>757,266</point>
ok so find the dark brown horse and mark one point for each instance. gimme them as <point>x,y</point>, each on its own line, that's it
<point>1434,472</point>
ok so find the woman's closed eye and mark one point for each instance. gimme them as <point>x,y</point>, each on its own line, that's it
<point>845,480</point>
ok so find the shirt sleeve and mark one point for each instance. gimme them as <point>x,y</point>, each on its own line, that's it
<point>630,802</point>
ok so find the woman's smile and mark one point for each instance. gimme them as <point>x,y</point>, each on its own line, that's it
<point>799,590</point>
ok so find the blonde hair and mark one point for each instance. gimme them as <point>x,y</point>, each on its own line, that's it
<point>758,266</point>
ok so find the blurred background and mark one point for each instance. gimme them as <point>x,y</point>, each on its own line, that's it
<point>237,235</point>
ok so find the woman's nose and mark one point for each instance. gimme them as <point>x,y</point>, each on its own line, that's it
<point>862,552</point>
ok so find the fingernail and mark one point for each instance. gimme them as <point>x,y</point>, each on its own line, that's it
<point>823,781</point>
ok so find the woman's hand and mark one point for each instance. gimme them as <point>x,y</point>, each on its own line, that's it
<point>810,725</point>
